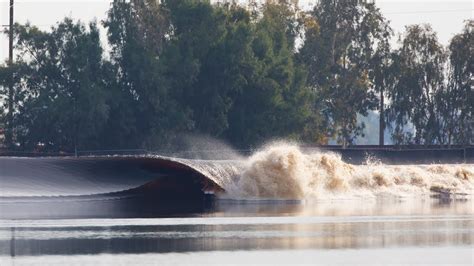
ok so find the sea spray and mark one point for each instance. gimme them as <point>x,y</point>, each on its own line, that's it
<point>284,171</point>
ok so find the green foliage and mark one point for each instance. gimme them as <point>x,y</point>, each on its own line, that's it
<point>345,43</point>
<point>456,100</point>
<point>204,60</point>
<point>246,75</point>
<point>419,69</point>
<point>274,101</point>
<point>145,113</point>
<point>4,77</point>
<point>59,95</point>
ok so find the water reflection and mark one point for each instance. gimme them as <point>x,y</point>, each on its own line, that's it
<point>228,226</point>
<point>363,207</point>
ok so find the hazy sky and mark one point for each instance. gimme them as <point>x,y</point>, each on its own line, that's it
<point>445,16</point>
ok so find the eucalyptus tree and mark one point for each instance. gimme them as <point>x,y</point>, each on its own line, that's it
<point>345,50</point>
<point>456,101</point>
<point>419,69</point>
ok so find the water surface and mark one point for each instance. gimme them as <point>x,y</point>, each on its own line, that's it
<point>417,231</point>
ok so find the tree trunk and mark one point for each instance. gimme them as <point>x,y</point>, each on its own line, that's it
<point>381,120</point>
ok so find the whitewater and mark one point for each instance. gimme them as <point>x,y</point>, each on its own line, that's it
<point>285,171</point>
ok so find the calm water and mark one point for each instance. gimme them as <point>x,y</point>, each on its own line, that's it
<point>123,232</point>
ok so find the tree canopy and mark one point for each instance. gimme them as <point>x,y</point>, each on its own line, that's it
<point>242,73</point>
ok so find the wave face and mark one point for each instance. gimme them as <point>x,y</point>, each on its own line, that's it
<point>280,171</point>
<point>52,177</point>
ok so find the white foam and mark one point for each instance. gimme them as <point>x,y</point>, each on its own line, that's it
<point>284,171</point>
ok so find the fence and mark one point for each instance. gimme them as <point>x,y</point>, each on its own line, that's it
<point>352,154</point>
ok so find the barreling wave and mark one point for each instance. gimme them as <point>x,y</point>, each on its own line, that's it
<point>106,176</point>
<point>280,171</point>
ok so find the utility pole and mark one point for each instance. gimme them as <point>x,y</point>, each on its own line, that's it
<point>9,124</point>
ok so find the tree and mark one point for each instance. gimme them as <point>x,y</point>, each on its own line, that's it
<point>419,68</point>
<point>3,96</point>
<point>234,71</point>
<point>204,58</point>
<point>380,65</point>
<point>246,75</point>
<point>60,95</point>
<point>456,100</point>
<point>343,42</point>
<point>146,113</point>
<point>274,101</point>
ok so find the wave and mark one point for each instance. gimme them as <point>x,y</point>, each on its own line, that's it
<point>284,171</point>
<point>280,171</point>
<point>109,176</point>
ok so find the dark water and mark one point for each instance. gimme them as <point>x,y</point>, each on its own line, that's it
<point>98,231</point>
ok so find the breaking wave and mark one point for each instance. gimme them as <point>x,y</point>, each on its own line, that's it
<point>280,171</point>
<point>284,171</point>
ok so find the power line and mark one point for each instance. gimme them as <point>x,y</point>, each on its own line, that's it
<point>431,11</point>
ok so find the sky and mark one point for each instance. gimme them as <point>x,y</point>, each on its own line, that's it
<point>446,17</point>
